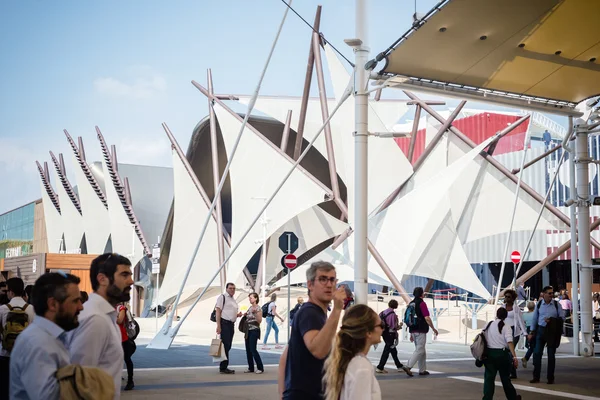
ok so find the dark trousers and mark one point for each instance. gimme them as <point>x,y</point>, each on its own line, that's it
<point>498,361</point>
<point>129,348</point>
<point>513,370</point>
<point>251,351</point>
<point>540,343</point>
<point>4,379</point>
<point>530,344</point>
<point>389,348</point>
<point>227,331</point>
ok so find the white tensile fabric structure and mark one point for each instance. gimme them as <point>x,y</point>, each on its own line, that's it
<point>426,243</point>
<point>53,219</point>
<point>95,218</point>
<point>123,237</point>
<point>189,214</point>
<point>71,219</point>
<point>475,195</point>
<point>251,178</point>
<point>313,227</point>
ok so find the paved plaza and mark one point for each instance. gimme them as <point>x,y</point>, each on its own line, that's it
<point>186,372</point>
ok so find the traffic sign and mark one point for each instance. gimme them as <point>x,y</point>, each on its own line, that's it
<point>289,261</point>
<point>288,242</point>
<point>515,257</point>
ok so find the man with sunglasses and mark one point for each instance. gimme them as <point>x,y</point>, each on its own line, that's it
<point>546,324</point>
<point>301,364</point>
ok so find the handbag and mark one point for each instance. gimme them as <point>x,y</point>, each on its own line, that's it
<point>243,325</point>
<point>131,326</point>
<point>215,347</point>
<point>213,314</point>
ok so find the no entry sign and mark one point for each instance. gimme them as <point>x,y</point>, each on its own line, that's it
<point>515,257</point>
<point>289,261</point>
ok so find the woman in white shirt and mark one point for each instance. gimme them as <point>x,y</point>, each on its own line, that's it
<point>500,356</point>
<point>515,321</point>
<point>349,375</point>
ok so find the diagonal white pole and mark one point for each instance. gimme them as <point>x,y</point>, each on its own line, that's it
<point>512,219</point>
<point>169,320</point>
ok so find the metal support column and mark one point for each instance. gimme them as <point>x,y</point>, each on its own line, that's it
<point>361,136</point>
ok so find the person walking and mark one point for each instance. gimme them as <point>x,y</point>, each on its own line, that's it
<point>271,314</point>
<point>500,356</point>
<point>41,347</point>
<point>389,318</point>
<point>419,332</point>
<point>514,321</point>
<point>127,343</point>
<point>530,344</point>
<point>97,340</point>
<point>348,371</point>
<point>548,314</point>
<point>301,364</point>
<point>227,311</point>
<point>253,318</point>
<point>293,312</point>
<point>14,318</point>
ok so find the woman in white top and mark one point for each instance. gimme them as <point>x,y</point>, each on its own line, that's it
<point>349,375</point>
<point>515,321</point>
<point>500,356</point>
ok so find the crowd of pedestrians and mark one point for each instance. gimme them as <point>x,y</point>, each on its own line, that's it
<point>55,346</point>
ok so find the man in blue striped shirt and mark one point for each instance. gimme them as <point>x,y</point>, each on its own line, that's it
<point>545,310</point>
<point>40,349</point>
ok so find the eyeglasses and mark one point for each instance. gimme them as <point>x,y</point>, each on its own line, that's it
<point>324,280</point>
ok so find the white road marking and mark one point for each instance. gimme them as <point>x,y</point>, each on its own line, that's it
<point>530,389</point>
<point>215,366</point>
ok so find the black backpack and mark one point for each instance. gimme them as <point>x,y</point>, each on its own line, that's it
<point>213,314</point>
<point>265,309</point>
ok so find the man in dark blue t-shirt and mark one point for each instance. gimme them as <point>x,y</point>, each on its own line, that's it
<point>301,364</point>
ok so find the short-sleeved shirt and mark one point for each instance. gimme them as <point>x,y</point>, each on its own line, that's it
<point>124,336</point>
<point>271,306</point>
<point>229,307</point>
<point>303,371</point>
<point>359,381</point>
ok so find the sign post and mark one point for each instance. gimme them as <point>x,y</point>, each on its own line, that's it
<point>515,257</point>
<point>156,270</point>
<point>288,244</point>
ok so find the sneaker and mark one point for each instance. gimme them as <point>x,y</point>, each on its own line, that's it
<point>405,369</point>
<point>249,371</point>
<point>265,348</point>
<point>260,371</point>
<point>278,346</point>
<point>129,386</point>
<point>381,371</point>
<point>227,371</point>
<point>524,362</point>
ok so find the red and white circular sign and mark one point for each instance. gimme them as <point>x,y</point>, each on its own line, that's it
<point>290,261</point>
<point>515,257</point>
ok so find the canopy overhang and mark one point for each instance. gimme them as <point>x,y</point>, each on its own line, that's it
<point>535,54</point>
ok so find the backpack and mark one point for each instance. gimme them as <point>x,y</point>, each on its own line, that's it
<point>213,314</point>
<point>479,345</point>
<point>294,311</point>
<point>383,317</point>
<point>265,310</point>
<point>410,316</point>
<point>16,321</point>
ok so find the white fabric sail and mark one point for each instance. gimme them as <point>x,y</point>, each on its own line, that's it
<point>123,237</point>
<point>429,245</point>
<point>95,218</point>
<point>189,214</point>
<point>256,171</point>
<point>52,218</point>
<point>71,220</point>
<point>388,167</point>
<point>312,226</point>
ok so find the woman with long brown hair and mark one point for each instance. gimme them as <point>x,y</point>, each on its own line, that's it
<point>349,375</point>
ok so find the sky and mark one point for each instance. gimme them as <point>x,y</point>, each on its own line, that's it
<point>127,67</point>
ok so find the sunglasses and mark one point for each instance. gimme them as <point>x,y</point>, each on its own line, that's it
<point>381,325</point>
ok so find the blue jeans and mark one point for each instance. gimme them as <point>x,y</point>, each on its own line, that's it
<point>251,351</point>
<point>540,343</point>
<point>271,324</point>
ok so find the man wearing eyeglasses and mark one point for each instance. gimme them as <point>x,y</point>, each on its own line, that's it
<point>546,327</point>
<point>301,364</point>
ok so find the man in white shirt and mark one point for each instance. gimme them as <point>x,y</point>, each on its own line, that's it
<point>16,307</point>
<point>227,312</point>
<point>97,341</point>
